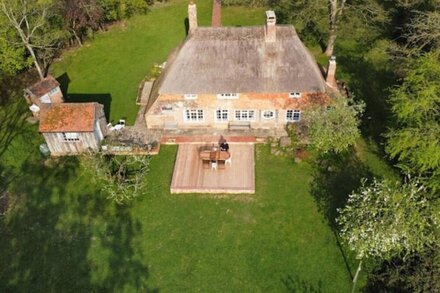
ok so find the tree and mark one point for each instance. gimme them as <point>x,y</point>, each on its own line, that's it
<point>423,31</point>
<point>334,127</point>
<point>419,272</point>
<point>336,8</point>
<point>311,14</point>
<point>119,9</point>
<point>80,16</point>
<point>415,140</point>
<point>388,219</point>
<point>324,20</point>
<point>121,177</point>
<point>11,58</point>
<point>30,22</point>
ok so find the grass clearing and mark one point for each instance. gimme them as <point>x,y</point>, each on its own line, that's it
<point>64,234</point>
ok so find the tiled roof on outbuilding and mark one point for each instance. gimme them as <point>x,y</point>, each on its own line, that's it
<point>43,86</point>
<point>68,117</point>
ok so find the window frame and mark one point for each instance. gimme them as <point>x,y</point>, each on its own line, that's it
<point>190,96</point>
<point>190,120</point>
<point>228,96</point>
<point>222,111</point>
<point>295,95</point>
<point>53,91</point>
<point>294,111</point>
<point>70,136</point>
<point>268,118</point>
<point>241,116</point>
<point>166,109</point>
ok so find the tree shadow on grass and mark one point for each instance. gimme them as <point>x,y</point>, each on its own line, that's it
<point>13,123</point>
<point>294,284</point>
<point>48,237</point>
<point>370,83</point>
<point>334,178</point>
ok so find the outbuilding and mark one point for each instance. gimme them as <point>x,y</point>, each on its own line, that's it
<point>73,128</point>
<point>45,91</point>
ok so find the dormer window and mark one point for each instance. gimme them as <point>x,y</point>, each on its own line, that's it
<point>295,95</point>
<point>190,96</point>
<point>227,96</point>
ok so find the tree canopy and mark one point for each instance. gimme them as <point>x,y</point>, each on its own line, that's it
<point>334,127</point>
<point>386,219</point>
<point>415,139</point>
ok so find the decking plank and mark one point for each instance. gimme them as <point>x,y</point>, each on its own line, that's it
<point>190,177</point>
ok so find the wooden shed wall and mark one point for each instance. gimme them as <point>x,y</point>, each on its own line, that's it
<point>57,145</point>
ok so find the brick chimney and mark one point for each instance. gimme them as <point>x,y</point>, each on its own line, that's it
<point>331,71</point>
<point>216,13</point>
<point>271,30</point>
<point>192,17</point>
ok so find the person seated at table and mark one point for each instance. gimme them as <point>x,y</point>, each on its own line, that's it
<point>224,146</point>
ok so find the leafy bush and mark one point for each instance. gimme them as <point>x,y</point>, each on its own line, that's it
<point>121,177</point>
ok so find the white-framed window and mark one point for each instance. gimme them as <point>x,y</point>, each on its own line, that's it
<point>190,96</point>
<point>244,115</point>
<point>295,95</point>
<point>221,115</point>
<point>70,136</point>
<point>227,96</point>
<point>268,114</point>
<point>166,109</point>
<point>194,115</point>
<point>293,115</point>
<point>53,91</point>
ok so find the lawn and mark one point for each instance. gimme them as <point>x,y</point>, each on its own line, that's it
<point>109,68</point>
<point>63,235</point>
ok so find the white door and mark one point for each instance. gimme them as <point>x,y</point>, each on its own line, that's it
<point>45,99</point>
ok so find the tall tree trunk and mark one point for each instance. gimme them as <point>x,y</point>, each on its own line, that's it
<point>333,29</point>
<point>331,43</point>
<point>356,276</point>
<point>34,58</point>
<point>78,39</point>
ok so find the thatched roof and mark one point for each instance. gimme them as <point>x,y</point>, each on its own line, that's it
<point>239,60</point>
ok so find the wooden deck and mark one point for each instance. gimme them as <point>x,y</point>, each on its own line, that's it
<point>190,177</point>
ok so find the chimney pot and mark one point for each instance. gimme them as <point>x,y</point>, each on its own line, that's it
<point>271,30</point>
<point>331,72</point>
<point>192,17</point>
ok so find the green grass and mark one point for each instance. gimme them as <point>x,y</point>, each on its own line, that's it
<point>64,235</point>
<point>109,68</point>
<point>374,159</point>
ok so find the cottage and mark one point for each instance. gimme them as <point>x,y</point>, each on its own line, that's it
<point>46,91</point>
<point>72,128</point>
<point>257,77</point>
